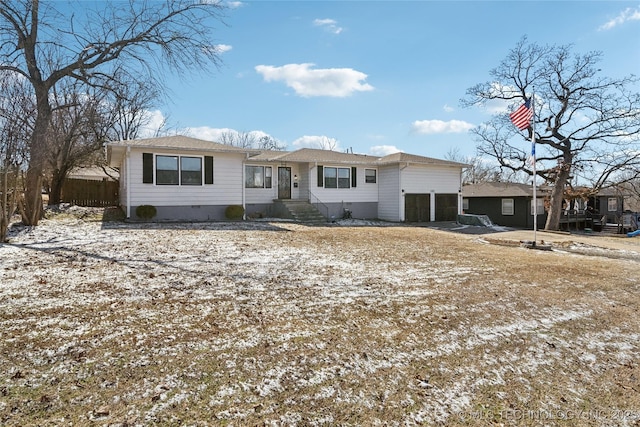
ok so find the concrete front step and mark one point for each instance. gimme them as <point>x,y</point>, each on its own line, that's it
<point>303,211</point>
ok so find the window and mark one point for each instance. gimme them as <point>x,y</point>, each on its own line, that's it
<point>612,204</point>
<point>370,176</point>
<point>190,170</point>
<point>330,177</point>
<point>257,176</point>
<point>167,170</point>
<point>539,207</point>
<point>337,177</point>
<point>178,170</point>
<point>507,206</point>
<point>344,178</point>
<point>465,204</point>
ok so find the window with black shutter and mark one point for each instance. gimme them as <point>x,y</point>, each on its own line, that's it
<point>147,168</point>
<point>208,170</point>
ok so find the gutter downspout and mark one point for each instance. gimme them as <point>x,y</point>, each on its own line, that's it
<point>128,181</point>
<point>401,208</point>
<point>244,207</point>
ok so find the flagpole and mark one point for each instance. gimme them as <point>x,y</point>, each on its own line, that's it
<point>533,159</point>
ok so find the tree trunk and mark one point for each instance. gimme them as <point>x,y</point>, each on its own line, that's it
<point>557,196</point>
<point>33,210</point>
<point>57,181</point>
<point>5,214</point>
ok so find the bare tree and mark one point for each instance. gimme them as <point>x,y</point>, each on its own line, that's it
<point>587,126</point>
<point>326,143</point>
<point>45,46</point>
<point>131,103</point>
<point>78,129</point>
<point>252,139</point>
<point>478,169</point>
<point>268,143</point>
<point>16,112</point>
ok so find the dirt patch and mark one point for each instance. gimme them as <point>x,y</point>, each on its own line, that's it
<point>281,324</point>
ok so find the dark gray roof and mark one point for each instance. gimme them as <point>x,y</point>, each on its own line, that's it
<point>499,189</point>
<point>312,155</point>
<point>303,155</point>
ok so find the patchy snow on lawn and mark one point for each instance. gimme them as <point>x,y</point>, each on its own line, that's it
<point>277,323</point>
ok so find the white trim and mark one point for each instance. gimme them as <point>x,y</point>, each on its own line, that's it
<point>375,176</point>
<point>513,208</point>
<point>432,205</point>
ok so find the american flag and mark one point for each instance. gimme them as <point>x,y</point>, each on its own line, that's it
<point>521,118</point>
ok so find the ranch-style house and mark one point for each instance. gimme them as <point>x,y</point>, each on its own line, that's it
<point>188,179</point>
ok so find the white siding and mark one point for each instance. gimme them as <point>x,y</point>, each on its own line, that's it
<point>226,188</point>
<point>389,197</point>
<point>430,179</point>
<point>362,192</point>
<point>123,183</point>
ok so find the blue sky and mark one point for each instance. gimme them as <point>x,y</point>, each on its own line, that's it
<point>380,76</point>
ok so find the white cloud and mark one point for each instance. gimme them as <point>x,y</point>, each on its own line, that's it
<point>448,109</point>
<point>235,4</point>
<point>307,82</point>
<point>626,15</point>
<point>206,133</point>
<point>383,150</point>
<point>216,134</point>
<point>319,142</point>
<point>330,25</point>
<point>222,48</point>
<point>439,126</point>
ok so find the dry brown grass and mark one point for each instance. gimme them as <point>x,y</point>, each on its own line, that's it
<point>282,324</point>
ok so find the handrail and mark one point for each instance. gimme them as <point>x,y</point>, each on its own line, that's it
<point>318,202</point>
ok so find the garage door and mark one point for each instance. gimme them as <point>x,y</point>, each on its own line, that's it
<point>446,207</point>
<point>417,207</point>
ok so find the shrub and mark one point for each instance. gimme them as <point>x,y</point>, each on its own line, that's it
<point>146,211</point>
<point>234,212</point>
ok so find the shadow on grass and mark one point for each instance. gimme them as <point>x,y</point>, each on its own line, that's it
<point>112,219</point>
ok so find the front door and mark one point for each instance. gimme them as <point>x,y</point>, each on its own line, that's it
<point>284,183</point>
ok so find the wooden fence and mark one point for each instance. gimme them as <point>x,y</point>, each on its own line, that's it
<point>84,192</point>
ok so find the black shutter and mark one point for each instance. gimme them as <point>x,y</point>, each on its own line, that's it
<point>354,176</point>
<point>208,170</point>
<point>320,176</point>
<point>147,168</point>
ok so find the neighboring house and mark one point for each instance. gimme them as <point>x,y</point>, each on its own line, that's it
<point>93,173</point>
<point>91,186</point>
<point>510,204</point>
<point>506,203</point>
<point>612,202</point>
<point>192,179</point>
